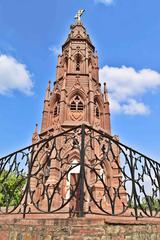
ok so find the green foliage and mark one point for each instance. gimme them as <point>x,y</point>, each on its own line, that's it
<point>146,203</point>
<point>11,188</point>
<point>150,202</point>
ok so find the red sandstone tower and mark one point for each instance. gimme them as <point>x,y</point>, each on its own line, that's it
<point>77,99</point>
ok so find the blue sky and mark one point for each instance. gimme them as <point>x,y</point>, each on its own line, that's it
<point>126,34</point>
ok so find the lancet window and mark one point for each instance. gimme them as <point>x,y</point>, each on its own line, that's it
<point>78,62</point>
<point>56,109</point>
<point>76,104</point>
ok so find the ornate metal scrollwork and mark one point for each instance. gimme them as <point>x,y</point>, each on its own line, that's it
<point>78,172</point>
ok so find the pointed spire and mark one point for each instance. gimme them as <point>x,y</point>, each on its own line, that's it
<point>35,135</point>
<point>107,124</point>
<point>48,91</point>
<point>105,93</point>
<point>36,129</point>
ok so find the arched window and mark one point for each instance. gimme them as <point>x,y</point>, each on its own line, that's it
<point>56,109</point>
<point>97,112</point>
<point>78,62</point>
<point>76,104</point>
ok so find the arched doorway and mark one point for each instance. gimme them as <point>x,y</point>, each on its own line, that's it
<point>72,183</point>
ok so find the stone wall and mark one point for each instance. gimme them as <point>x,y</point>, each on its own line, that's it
<point>78,229</point>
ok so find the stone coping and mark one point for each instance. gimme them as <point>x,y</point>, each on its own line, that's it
<point>94,220</point>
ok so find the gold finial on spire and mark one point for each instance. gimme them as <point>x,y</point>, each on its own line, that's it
<point>78,15</point>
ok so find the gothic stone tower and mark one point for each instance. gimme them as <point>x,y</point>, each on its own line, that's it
<point>76,99</point>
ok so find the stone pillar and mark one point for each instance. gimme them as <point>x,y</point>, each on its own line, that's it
<point>91,102</point>
<point>107,124</point>
<point>62,116</point>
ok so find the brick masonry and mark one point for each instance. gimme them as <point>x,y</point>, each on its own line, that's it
<point>78,229</point>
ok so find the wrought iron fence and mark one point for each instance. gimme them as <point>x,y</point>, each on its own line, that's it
<point>79,172</point>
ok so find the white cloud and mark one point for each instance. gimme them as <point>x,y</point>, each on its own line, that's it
<point>106,2</point>
<point>126,86</point>
<point>134,107</point>
<point>55,50</point>
<point>14,76</point>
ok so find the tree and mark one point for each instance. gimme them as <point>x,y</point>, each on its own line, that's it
<point>11,188</point>
<point>150,202</point>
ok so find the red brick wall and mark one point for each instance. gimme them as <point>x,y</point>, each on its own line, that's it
<point>78,229</point>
